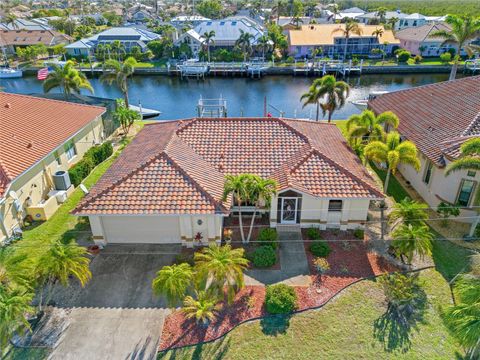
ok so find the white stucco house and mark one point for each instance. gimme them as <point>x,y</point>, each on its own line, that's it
<point>439,118</point>
<point>167,185</point>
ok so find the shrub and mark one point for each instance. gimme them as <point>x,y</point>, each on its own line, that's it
<point>314,234</point>
<point>320,248</point>
<point>264,256</point>
<point>280,299</point>
<point>401,290</point>
<point>268,237</point>
<point>92,158</point>
<point>359,233</point>
<point>403,56</point>
<point>184,258</point>
<point>445,210</point>
<point>290,60</point>
<point>418,59</point>
<point>446,57</point>
<point>321,265</point>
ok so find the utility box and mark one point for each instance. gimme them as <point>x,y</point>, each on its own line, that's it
<point>61,179</point>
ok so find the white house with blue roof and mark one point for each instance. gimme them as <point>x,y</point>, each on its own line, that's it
<point>129,37</point>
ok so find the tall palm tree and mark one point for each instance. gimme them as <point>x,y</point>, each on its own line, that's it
<point>60,263</point>
<point>208,40</point>
<point>13,269</point>
<point>244,42</point>
<point>392,152</point>
<point>11,19</point>
<point>259,190</point>
<point>279,8</point>
<point>14,306</point>
<point>235,185</point>
<point>222,266</point>
<point>118,73</point>
<point>335,12</point>
<point>368,127</point>
<point>411,239</point>
<point>334,93</point>
<point>264,44</point>
<point>380,13</point>
<point>464,30</point>
<point>69,79</point>
<point>349,28</point>
<point>125,116</point>
<point>201,308</point>
<point>297,20</point>
<point>408,212</point>
<point>173,282</point>
<point>378,32</point>
<point>392,22</point>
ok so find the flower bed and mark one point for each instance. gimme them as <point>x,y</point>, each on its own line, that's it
<point>249,302</point>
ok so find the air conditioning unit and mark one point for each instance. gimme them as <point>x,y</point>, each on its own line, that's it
<point>61,179</point>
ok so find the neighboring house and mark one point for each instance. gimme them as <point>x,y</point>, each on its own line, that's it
<point>303,41</point>
<point>129,37</point>
<point>288,23</point>
<point>167,185</point>
<point>39,137</point>
<point>227,32</point>
<point>350,13</point>
<point>438,118</point>
<point>404,20</point>
<point>193,20</point>
<point>24,24</point>
<point>419,41</point>
<point>11,39</point>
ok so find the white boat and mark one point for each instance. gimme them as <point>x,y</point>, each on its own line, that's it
<point>146,113</point>
<point>9,73</point>
<point>362,104</point>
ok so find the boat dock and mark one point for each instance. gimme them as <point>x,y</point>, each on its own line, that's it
<point>472,66</point>
<point>324,67</point>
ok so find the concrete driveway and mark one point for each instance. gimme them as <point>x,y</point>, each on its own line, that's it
<point>116,315</point>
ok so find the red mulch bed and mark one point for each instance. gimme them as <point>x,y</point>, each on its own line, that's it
<point>349,262</point>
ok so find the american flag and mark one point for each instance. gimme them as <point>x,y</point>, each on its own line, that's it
<point>42,73</point>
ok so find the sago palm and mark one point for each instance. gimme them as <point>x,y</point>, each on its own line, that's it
<point>469,157</point>
<point>222,266</point>
<point>349,28</point>
<point>411,239</point>
<point>173,282</point>
<point>408,212</point>
<point>464,29</point>
<point>118,73</point>
<point>201,308</point>
<point>333,92</point>
<point>367,126</point>
<point>392,152</point>
<point>69,79</point>
<point>14,306</point>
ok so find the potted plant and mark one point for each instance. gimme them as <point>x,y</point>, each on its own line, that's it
<point>198,238</point>
<point>93,249</point>
<point>227,235</point>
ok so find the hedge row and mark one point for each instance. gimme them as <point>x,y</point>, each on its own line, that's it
<point>92,158</point>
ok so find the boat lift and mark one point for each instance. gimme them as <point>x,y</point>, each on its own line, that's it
<point>212,108</point>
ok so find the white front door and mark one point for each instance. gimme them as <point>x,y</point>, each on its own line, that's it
<point>289,210</point>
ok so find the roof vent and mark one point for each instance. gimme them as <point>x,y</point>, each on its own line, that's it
<point>29,145</point>
<point>7,105</point>
<point>220,167</point>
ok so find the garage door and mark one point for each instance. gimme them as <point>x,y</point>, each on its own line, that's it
<point>142,230</point>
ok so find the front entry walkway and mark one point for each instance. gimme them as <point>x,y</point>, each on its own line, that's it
<point>293,261</point>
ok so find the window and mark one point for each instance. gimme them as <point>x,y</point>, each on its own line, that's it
<point>471,173</point>
<point>335,205</point>
<point>465,193</point>
<point>57,158</point>
<point>70,150</point>
<point>427,176</point>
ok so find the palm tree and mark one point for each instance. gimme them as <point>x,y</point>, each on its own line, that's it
<point>118,73</point>
<point>69,79</point>
<point>13,269</point>
<point>264,44</point>
<point>408,239</point>
<point>14,306</point>
<point>392,22</point>
<point>125,116</point>
<point>392,152</point>
<point>279,8</point>
<point>244,42</point>
<point>60,263</point>
<point>464,30</point>
<point>381,13</point>
<point>369,127</point>
<point>202,309</point>
<point>378,32</point>
<point>222,266</point>
<point>469,160</point>
<point>235,185</point>
<point>335,10</point>
<point>350,27</point>
<point>11,19</point>
<point>173,282</point>
<point>297,20</point>
<point>208,40</point>
<point>408,212</point>
<point>334,92</point>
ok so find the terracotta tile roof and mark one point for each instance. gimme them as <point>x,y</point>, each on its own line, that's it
<point>422,33</point>
<point>31,128</point>
<point>179,166</point>
<point>32,37</point>
<point>433,114</point>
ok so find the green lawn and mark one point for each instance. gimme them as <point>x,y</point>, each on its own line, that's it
<point>354,326</point>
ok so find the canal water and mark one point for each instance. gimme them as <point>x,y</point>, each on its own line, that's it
<point>177,98</point>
